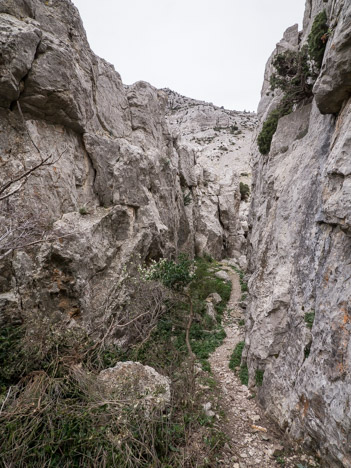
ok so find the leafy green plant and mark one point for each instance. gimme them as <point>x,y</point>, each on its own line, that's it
<point>187,199</point>
<point>83,211</point>
<point>269,128</point>
<point>259,377</point>
<point>318,37</point>
<point>294,75</point>
<point>244,191</point>
<point>173,275</point>
<point>244,374</point>
<point>235,358</point>
<point>309,318</point>
<point>235,361</point>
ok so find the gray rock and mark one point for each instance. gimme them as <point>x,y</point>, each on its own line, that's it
<point>131,381</point>
<point>333,86</point>
<point>298,257</point>
<point>215,298</point>
<point>223,275</point>
<point>17,57</point>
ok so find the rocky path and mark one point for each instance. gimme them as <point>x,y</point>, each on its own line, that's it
<point>253,440</point>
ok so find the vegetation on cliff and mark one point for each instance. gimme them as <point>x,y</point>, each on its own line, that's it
<point>295,74</point>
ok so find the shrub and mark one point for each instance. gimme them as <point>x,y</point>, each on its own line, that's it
<point>187,199</point>
<point>244,375</point>
<point>173,275</point>
<point>309,318</point>
<point>318,37</point>
<point>55,412</point>
<point>235,358</point>
<point>269,127</point>
<point>244,191</point>
<point>259,377</point>
<point>293,76</point>
<point>83,211</point>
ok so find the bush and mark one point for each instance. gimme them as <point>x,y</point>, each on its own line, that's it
<point>259,377</point>
<point>309,318</point>
<point>317,38</point>
<point>54,410</point>
<point>264,139</point>
<point>244,374</point>
<point>173,275</point>
<point>293,76</point>
<point>187,199</point>
<point>244,191</point>
<point>235,359</point>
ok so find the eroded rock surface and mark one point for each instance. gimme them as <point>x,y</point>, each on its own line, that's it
<point>220,140</point>
<point>131,381</point>
<point>120,185</point>
<point>299,311</point>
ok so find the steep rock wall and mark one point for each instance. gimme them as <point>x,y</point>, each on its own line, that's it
<point>299,252</point>
<point>220,139</point>
<point>115,188</point>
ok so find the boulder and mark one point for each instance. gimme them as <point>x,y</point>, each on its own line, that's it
<point>134,382</point>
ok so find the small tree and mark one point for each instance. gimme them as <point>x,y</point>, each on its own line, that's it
<point>176,276</point>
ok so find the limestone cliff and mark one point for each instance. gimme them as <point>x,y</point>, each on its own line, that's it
<point>220,140</point>
<point>117,182</point>
<point>299,316</point>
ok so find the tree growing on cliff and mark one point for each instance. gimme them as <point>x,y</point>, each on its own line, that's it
<point>295,74</point>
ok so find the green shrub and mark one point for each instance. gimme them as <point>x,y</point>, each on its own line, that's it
<point>318,37</point>
<point>173,275</point>
<point>309,318</point>
<point>259,377</point>
<point>244,375</point>
<point>269,128</point>
<point>244,191</point>
<point>187,199</point>
<point>54,411</point>
<point>235,358</point>
<point>83,211</point>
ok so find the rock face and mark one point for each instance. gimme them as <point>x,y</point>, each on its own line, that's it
<point>299,318</point>
<point>220,140</point>
<point>118,183</point>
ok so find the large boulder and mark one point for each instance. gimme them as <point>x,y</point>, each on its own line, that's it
<point>133,382</point>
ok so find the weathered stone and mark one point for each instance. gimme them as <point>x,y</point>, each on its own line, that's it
<point>298,258</point>
<point>131,381</point>
<point>215,298</point>
<point>223,275</point>
<point>333,87</point>
<point>19,42</point>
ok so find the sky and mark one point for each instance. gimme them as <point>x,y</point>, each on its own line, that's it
<point>211,50</point>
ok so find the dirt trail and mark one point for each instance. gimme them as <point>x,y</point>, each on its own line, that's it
<point>253,440</point>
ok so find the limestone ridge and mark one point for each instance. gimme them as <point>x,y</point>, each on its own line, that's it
<point>220,140</point>
<point>298,323</point>
<point>123,187</point>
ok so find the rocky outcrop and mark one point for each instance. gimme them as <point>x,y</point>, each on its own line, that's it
<point>298,319</point>
<point>141,385</point>
<point>114,184</point>
<point>220,141</point>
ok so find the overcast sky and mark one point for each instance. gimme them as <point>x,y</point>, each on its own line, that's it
<point>213,50</point>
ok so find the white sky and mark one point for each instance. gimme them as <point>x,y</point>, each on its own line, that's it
<point>212,50</point>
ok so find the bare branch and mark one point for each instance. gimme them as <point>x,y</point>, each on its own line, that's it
<point>44,161</point>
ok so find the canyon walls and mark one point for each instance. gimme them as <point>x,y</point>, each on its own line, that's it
<point>114,185</point>
<point>299,313</point>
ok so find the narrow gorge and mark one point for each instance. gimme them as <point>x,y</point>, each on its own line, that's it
<point>128,213</point>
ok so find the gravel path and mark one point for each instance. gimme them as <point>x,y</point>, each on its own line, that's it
<point>253,440</point>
